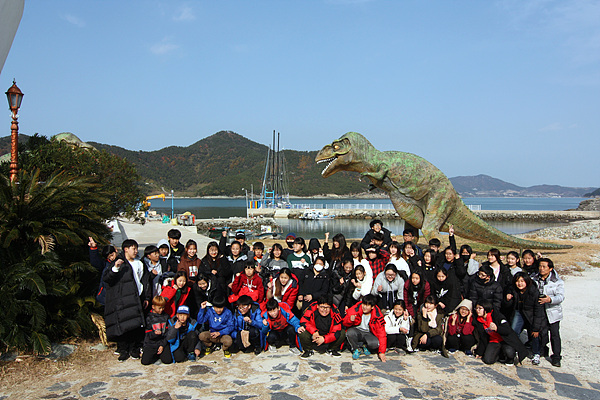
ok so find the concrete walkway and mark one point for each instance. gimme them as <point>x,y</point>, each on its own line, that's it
<point>151,232</point>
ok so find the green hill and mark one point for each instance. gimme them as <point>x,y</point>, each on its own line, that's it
<point>226,162</point>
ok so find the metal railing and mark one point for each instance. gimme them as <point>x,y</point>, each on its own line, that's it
<point>359,206</point>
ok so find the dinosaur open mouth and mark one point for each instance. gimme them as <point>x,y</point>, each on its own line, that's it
<point>329,161</point>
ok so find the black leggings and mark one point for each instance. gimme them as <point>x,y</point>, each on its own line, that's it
<point>462,342</point>
<point>149,356</point>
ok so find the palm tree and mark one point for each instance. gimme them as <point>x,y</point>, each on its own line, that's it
<point>40,286</point>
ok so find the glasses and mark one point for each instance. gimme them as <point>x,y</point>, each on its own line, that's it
<point>325,307</point>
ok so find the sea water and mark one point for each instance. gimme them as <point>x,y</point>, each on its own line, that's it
<point>354,228</point>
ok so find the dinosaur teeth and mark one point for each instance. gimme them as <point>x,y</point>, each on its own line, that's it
<point>331,160</point>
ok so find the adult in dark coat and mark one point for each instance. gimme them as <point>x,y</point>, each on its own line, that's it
<point>376,226</point>
<point>484,287</point>
<point>125,301</point>
<point>496,337</point>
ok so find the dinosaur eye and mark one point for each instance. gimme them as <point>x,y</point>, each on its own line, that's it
<point>336,146</point>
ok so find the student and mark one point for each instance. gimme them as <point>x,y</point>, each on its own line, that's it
<point>339,251</point>
<point>247,325</point>
<point>378,259</point>
<point>484,287</point>
<point>315,284</point>
<point>128,293</point>
<point>164,249</point>
<point>314,250</point>
<point>525,311</point>
<point>416,290</point>
<point>501,273</point>
<point>429,326</point>
<point>152,263</point>
<point>410,255</point>
<point>176,249</point>
<point>220,325</point>
<point>240,237</point>
<point>298,261</point>
<point>155,342</point>
<point>434,245</point>
<point>204,288</point>
<point>360,286</point>
<point>467,258</point>
<point>289,241</point>
<point>388,287</point>
<point>460,331</point>
<point>341,283</point>
<point>398,325</point>
<point>530,262</point>
<point>376,226</point>
<point>357,257</point>
<point>182,335</point>
<point>189,261</point>
<point>552,293</point>
<point>280,326</point>
<point>366,328</point>
<point>428,266</point>
<point>213,264</point>
<point>496,337</point>
<point>257,254</point>
<point>408,235</point>
<point>248,283</point>
<point>284,288</point>
<point>271,265</point>
<point>455,268</point>
<point>513,263</point>
<point>101,261</point>
<point>446,288</point>
<point>176,294</point>
<point>323,329</point>
<point>237,260</point>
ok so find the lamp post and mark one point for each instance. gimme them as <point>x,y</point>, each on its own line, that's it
<point>14,96</point>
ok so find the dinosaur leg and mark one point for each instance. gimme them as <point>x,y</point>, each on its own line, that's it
<point>409,212</point>
<point>438,211</point>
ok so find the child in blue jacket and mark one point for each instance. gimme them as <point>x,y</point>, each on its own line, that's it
<point>182,336</point>
<point>220,325</point>
<point>248,325</point>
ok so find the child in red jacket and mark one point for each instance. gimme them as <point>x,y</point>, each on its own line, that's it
<point>323,325</point>
<point>366,328</point>
<point>460,329</point>
<point>249,283</point>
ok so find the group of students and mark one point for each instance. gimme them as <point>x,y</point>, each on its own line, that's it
<point>174,306</point>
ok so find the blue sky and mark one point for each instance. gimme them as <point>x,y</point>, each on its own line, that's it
<point>505,88</point>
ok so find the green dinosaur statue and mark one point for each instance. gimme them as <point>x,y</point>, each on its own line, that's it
<point>421,194</point>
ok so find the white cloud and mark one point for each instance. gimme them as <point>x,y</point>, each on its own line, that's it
<point>184,13</point>
<point>72,19</point>
<point>555,126</point>
<point>163,47</point>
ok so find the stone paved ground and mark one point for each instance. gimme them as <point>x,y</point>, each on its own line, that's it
<point>283,376</point>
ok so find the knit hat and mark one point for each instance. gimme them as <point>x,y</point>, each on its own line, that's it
<point>465,303</point>
<point>290,236</point>
<point>183,310</point>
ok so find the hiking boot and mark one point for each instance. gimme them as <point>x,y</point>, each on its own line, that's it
<point>307,354</point>
<point>355,354</point>
<point>227,353</point>
<point>123,356</point>
<point>334,353</point>
<point>295,351</point>
<point>536,359</point>
<point>208,351</point>
<point>366,351</point>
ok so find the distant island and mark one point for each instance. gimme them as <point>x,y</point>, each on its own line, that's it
<point>225,162</point>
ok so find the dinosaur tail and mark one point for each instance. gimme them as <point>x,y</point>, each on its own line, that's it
<point>470,226</point>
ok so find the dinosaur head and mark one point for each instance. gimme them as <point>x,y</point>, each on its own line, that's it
<point>340,154</point>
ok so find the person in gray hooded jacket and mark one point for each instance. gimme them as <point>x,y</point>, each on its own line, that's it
<point>552,294</point>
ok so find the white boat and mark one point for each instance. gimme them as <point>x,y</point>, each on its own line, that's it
<point>315,215</point>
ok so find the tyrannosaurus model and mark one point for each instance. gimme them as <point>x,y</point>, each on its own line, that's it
<point>421,194</point>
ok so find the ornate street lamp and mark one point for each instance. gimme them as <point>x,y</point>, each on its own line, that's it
<point>15,96</point>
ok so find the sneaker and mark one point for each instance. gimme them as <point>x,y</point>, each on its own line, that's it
<point>509,363</point>
<point>295,351</point>
<point>135,354</point>
<point>366,351</point>
<point>307,354</point>
<point>409,347</point>
<point>217,347</point>
<point>469,353</point>
<point>257,351</point>
<point>208,351</point>
<point>227,353</point>
<point>355,354</point>
<point>123,356</point>
<point>451,351</point>
<point>272,349</point>
<point>556,362</point>
<point>334,353</point>
<point>191,357</point>
<point>536,359</point>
